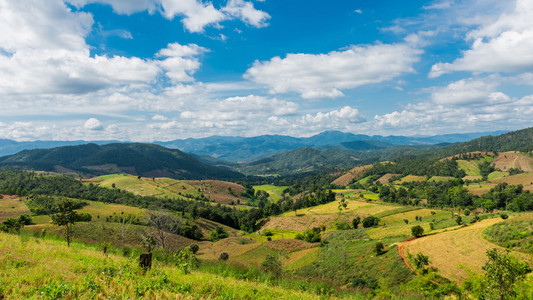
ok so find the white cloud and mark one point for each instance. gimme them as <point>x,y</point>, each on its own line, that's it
<point>464,92</point>
<point>505,45</point>
<point>159,118</point>
<point>358,11</point>
<point>246,12</point>
<point>324,75</point>
<point>196,14</point>
<point>93,124</point>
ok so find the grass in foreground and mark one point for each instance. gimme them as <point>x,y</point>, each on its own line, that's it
<point>34,268</point>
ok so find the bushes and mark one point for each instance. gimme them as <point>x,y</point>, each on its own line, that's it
<point>223,256</point>
<point>379,248</point>
<point>272,265</point>
<point>417,231</point>
<point>218,234</point>
<point>355,222</point>
<point>310,235</point>
<point>370,221</point>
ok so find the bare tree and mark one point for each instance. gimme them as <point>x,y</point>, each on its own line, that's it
<point>163,224</point>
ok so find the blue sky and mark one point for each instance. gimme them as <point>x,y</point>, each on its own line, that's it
<point>145,70</point>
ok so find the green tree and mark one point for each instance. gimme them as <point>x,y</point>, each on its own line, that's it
<point>417,231</point>
<point>272,265</point>
<point>420,261</point>
<point>186,260</point>
<point>502,272</point>
<point>370,221</point>
<point>355,222</point>
<point>379,248</point>
<point>65,216</point>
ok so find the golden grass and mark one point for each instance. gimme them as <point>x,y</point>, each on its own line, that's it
<point>385,178</point>
<point>104,209</point>
<point>525,179</point>
<point>410,216</point>
<point>12,207</point>
<point>480,188</point>
<point>395,230</point>
<point>457,253</point>
<point>354,206</point>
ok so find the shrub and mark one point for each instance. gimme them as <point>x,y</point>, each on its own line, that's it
<point>417,231</point>
<point>218,234</point>
<point>272,265</point>
<point>379,248</point>
<point>355,222</point>
<point>342,226</point>
<point>223,256</point>
<point>467,212</point>
<point>421,260</point>
<point>267,233</point>
<point>194,248</point>
<point>310,235</point>
<point>370,221</point>
<point>432,226</point>
<point>406,221</point>
<point>459,220</point>
<point>504,216</point>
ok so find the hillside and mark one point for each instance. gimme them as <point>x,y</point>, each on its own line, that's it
<point>146,160</point>
<point>300,161</point>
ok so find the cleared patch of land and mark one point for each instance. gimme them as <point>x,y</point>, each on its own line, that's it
<point>479,189</point>
<point>507,160</point>
<point>385,178</point>
<point>470,167</point>
<point>219,191</point>
<point>525,179</point>
<point>11,207</point>
<point>354,173</point>
<point>275,192</point>
<point>411,178</point>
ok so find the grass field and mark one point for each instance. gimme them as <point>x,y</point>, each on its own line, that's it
<point>354,173</point>
<point>497,174</point>
<point>469,166</point>
<point>354,206</point>
<point>275,192</point>
<point>107,209</point>
<point>411,178</point>
<point>480,188</point>
<point>11,207</point>
<point>35,268</point>
<point>301,259</point>
<point>458,252</point>
<point>440,178</point>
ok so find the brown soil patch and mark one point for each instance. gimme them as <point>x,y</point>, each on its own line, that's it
<point>354,173</point>
<point>385,178</point>
<point>507,160</point>
<point>288,245</point>
<point>218,190</point>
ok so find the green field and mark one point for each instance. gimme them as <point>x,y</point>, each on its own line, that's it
<point>275,192</point>
<point>469,166</point>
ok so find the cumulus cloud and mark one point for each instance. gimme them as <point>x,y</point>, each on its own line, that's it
<point>196,14</point>
<point>501,46</point>
<point>93,124</point>
<point>325,75</point>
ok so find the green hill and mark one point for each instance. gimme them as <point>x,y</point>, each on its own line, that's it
<point>136,159</point>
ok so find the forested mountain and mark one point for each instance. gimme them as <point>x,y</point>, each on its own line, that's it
<point>136,159</point>
<point>520,140</point>
<point>254,148</point>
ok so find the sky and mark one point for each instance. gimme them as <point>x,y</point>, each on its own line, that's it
<point>159,70</point>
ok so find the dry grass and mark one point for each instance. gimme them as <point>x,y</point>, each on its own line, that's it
<point>301,222</point>
<point>354,173</point>
<point>103,209</point>
<point>525,179</point>
<point>456,253</point>
<point>479,189</point>
<point>301,259</point>
<point>385,178</point>
<point>288,245</point>
<point>410,215</point>
<point>218,190</point>
<point>411,178</point>
<point>12,207</point>
<point>354,206</point>
<point>395,230</point>
<point>234,246</point>
<point>507,160</point>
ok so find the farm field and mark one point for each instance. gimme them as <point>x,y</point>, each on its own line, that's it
<point>458,252</point>
<point>507,160</point>
<point>353,174</point>
<point>385,178</point>
<point>469,166</point>
<point>410,178</point>
<point>353,206</point>
<point>11,207</point>
<point>275,192</point>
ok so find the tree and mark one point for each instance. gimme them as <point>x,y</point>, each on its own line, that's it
<point>370,221</point>
<point>502,272</point>
<point>194,248</point>
<point>355,222</point>
<point>163,223</point>
<point>420,261</point>
<point>223,256</point>
<point>186,260</point>
<point>65,216</point>
<point>459,220</point>
<point>11,225</point>
<point>218,234</point>
<point>272,265</point>
<point>379,248</point>
<point>417,231</point>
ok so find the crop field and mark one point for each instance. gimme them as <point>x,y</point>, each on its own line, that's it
<point>440,178</point>
<point>277,234</point>
<point>456,253</point>
<point>219,191</point>
<point>275,192</point>
<point>129,183</point>
<point>291,224</point>
<point>497,174</point>
<point>507,160</point>
<point>525,179</point>
<point>411,178</point>
<point>107,209</point>
<point>397,230</point>
<point>480,188</point>
<point>354,173</point>
<point>11,207</point>
<point>301,259</point>
<point>470,167</point>
<point>354,206</point>
<point>385,178</point>
<point>425,213</point>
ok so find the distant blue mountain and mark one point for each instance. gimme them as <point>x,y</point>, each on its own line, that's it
<point>233,148</point>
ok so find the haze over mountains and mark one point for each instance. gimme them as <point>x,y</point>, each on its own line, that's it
<point>253,148</point>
